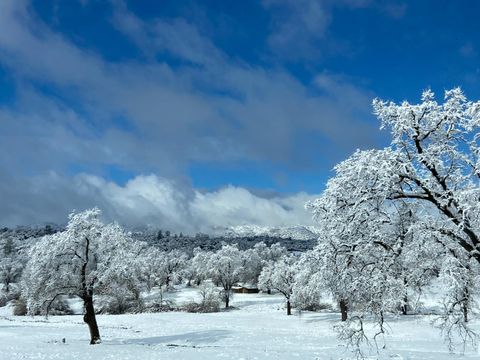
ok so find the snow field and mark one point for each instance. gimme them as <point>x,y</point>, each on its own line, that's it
<point>257,329</point>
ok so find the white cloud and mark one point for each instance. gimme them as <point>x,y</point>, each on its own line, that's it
<point>149,200</point>
<point>232,206</point>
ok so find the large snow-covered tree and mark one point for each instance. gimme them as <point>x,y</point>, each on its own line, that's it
<point>433,160</point>
<point>77,262</point>
<point>431,166</point>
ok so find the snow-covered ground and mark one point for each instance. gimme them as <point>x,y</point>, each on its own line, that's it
<point>257,329</point>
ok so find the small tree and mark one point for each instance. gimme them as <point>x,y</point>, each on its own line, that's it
<point>256,258</point>
<point>164,268</point>
<point>12,261</point>
<point>197,266</point>
<point>280,276</point>
<point>75,262</point>
<point>225,268</point>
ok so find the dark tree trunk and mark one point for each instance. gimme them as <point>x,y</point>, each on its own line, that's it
<point>87,297</point>
<point>464,304</point>
<point>465,313</point>
<point>269,291</point>
<point>227,301</point>
<point>343,309</point>
<point>91,321</point>
<point>289,307</point>
<point>404,307</point>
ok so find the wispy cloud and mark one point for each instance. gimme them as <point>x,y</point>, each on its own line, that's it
<point>300,28</point>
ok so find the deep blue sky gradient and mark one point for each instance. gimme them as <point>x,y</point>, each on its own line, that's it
<point>391,49</point>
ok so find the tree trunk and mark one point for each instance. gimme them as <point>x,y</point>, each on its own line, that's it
<point>227,300</point>
<point>289,307</point>
<point>404,307</point>
<point>465,313</point>
<point>464,305</point>
<point>343,309</point>
<point>91,321</point>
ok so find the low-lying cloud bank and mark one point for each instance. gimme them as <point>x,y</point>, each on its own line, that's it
<point>150,201</point>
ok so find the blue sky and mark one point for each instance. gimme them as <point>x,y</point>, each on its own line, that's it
<point>111,103</point>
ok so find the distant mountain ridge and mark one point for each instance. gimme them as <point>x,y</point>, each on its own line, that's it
<point>298,232</point>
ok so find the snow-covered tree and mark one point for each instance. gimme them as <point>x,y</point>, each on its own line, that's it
<point>77,262</point>
<point>432,166</point>
<point>164,268</point>
<point>309,284</point>
<point>12,260</point>
<point>197,270</point>
<point>225,267</point>
<point>122,281</point>
<point>256,258</point>
<point>459,300</point>
<point>280,276</point>
<point>174,264</point>
<point>252,265</point>
<point>434,159</point>
<point>269,253</point>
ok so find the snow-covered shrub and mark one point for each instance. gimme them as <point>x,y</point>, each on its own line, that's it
<point>160,305</point>
<point>4,299</point>
<point>60,307</point>
<point>210,297</point>
<point>210,301</point>
<point>20,307</point>
<point>121,303</point>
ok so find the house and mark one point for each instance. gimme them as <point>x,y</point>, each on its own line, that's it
<point>245,289</point>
